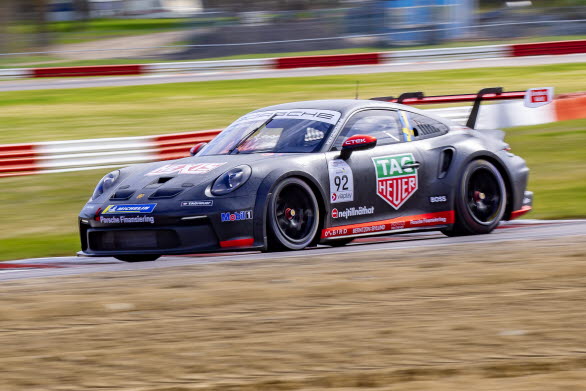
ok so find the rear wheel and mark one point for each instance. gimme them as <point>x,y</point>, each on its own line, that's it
<point>293,216</point>
<point>480,200</point>
<point>137,258</point>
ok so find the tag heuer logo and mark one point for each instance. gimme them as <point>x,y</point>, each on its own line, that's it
<point>394,183</point>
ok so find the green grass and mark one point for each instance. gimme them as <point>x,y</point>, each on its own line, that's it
<point>38,213</point>
<point>28,116</point>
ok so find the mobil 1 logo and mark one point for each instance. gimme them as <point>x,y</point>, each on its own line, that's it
<point>341,181</point>
<point>395,184</point>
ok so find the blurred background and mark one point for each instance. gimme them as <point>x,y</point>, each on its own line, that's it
<point>86,32</point>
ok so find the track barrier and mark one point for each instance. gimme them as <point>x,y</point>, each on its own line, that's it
<point>391,57</point>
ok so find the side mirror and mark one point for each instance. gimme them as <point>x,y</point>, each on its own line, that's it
<point>358,142</point>
<point>196,148</point>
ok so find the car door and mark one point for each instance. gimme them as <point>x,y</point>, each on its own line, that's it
<point>352,182</point>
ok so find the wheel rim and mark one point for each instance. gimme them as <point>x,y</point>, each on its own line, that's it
<point>295,213</point>
<point>484,196</point>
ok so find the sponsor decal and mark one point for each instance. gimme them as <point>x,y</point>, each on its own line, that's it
<point>198,168</point>
<point>140,195</point>
<point>436,199</point>
<point>121,209</point>
<point>341,181</point>
<point>536,97</point>
<point>327,116</point>
<point>197,203</point>
<point>236,216</point>
<point>424,220</point>
<point>351,212</point>
<point>127,220</point>
<point>395,184</point>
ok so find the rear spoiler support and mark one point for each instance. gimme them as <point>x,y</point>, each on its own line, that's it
<point>492,93</point>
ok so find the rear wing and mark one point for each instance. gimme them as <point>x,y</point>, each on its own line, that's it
<point>538,97</point>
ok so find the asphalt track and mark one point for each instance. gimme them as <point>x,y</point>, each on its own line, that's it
<point>512,231</point>
<point>119,81</point>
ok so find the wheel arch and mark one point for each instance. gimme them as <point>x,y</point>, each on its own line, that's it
<point>268,185</point>
<point>500,166</point>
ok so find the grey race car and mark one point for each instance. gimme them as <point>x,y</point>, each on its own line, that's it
<point>294,175</point>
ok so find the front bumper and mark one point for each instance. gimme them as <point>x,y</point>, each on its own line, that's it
<point>168,233</point>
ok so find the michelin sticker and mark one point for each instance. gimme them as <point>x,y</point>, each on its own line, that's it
<point>122,209</point>
<point>341,181</point>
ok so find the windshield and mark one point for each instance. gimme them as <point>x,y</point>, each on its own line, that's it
<point>289,131</point>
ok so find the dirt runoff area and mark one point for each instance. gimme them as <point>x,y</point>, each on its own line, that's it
<point>507,316</point>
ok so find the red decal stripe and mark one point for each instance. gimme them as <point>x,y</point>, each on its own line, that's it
<point>518,213</point>
<point>237,243</point>
<point>424,220</point>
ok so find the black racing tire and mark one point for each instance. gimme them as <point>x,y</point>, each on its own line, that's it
<point>480,200</point>
<point>339,242</point>
<point>137,258</point>
<point>293,216</point>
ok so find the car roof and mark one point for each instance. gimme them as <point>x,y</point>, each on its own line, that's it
<point>346,106</point>
<point>342,105</point>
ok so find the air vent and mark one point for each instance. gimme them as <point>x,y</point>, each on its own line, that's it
<point>445,161</point>
<point>166,193</point>
<point>122,195</point>
<point>158,182</point>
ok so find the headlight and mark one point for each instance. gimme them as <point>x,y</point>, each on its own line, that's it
<point>106,183</point>
<point>231,180</point>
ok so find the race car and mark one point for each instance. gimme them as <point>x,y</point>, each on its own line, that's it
<point>299,174</point>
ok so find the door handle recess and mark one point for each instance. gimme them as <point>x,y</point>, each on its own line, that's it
<point>411,165</point>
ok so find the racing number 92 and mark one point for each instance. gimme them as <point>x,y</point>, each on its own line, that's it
<point>341,181</point>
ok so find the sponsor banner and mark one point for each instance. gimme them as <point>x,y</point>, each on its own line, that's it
<point>197,168</point>
<point>351,212</point>
<point>197,203</point>
<point>127,220</point>
<point>327,116</point>
<point>436,199</point>
<point>395,184</point>
<point>120,209</point>
<point>424,220</point>
<point>536,97</point>
<point>236,216</point>
<point>341,181</point>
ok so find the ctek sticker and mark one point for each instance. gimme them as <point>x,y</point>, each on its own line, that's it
<point>351,212</point>
<point>122,209</point>
<point>236,216</point>
<point>198,168</point>
<point>395,184</point>
<point>127,220</point>
<point>197,203</point>
<point>341,181</point>
<point>536,97</point>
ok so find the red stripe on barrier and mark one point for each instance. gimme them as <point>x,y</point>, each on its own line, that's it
<point>99,70</point>
<point>17,159</point>
<point>176,146</point>
<point>548,48</point>
<point>328,61</point>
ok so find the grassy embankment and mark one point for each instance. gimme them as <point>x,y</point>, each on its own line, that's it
<point>38,213</point>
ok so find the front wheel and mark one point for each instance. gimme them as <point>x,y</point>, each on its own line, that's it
<point>480,200</point>
<point>293,216</point>
<point>137,258</point>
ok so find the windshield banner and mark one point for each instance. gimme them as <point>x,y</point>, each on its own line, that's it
<point>327,116</point>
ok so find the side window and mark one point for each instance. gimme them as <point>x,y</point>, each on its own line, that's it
<point>382,124</point>
<point>425,127</point>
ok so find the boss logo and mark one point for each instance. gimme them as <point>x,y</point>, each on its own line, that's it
<point>438,199</point>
